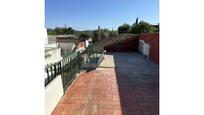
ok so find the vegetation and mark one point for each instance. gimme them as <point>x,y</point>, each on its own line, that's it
<point>95,36</point>
<point>142,27</point>
<point>125,28</point>
<point>104,33</point>
<point>113,33</point>
<point>135,28</point>
<point>85,36</point>
<point>60,31</point>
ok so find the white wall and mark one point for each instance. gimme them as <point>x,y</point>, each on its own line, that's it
<point>55,56</point>
<point>67,46</point>
<point>53,93</point>
<point>45,36</point>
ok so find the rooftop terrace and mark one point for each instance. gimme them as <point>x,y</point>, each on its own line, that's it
<point>123,84</point>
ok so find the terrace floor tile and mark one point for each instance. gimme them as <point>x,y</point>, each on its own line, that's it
<point>114,90</point>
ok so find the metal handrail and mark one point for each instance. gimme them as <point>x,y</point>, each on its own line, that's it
<point>70,65</point>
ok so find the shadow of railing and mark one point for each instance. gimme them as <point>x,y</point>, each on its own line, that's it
<point>91,59</point>
<point>138,84</point>
<point>72,64</point>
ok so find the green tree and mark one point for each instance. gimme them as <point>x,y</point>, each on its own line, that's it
<point>69,31</point>
<point>113,33</point>
<point>136,22</point>
<point>95,36</point>
<point>63,30</point>
<point>125,28</point>
<point>105,33</point>
<point>142,27</point>
<point>84,36</point>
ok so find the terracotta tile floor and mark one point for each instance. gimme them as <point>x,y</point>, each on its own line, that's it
<point>127,89</point>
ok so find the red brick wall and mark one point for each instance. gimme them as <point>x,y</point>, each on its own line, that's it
<point>153,41</point>
<point>127,45</point>
<point>131,45</point>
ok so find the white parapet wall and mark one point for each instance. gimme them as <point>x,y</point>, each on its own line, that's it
<point>53,93</point>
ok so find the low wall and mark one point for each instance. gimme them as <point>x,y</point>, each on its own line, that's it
<point>149,47</point>
<point>153,41</point>
<point>53,93</point>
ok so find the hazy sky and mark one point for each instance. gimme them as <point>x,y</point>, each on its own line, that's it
<point>88,14</point>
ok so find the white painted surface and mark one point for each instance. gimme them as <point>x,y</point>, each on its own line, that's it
<point>146,48</point>
<point>87,43</point>
<point>66,46</point>
<point>53,93</point>
<point>51,39</point>
<point>141,43</point>
<point>55,55</point>
<point>45,36</point>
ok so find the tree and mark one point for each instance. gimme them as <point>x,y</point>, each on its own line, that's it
<point>105,33</point>
<point>69,30</point>
<point>113,33</point>
<point>95,36</point>
<point>84,36</point>
<point>125,28</point>
<point>142,27</point>
<point>63,30</point>
<point>136,22</point>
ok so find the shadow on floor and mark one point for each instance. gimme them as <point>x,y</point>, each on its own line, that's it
<point>138,84</point>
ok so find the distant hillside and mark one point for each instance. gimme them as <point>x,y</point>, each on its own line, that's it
<point>77,32</point>
<point>83,31</point>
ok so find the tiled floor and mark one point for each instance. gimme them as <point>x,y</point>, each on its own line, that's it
<point>127,86</point>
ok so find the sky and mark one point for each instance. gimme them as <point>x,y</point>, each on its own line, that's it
<point>89,14</point>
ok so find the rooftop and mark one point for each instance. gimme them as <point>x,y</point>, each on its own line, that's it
<point>124,84</point>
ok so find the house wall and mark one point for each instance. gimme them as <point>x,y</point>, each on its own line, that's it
<point>66,46</point>
<point>55,55</point>
<point>45,36</point>
<point>53,93</point>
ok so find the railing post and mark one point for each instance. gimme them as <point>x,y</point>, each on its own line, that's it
<point>78,62</point>
<point>47,75</point>
<point>55,71</point>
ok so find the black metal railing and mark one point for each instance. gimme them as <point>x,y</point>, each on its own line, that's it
<point>52,70</point>
<point>70,65</point>
<point>91,59</point>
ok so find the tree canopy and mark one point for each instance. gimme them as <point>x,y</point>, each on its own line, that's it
<point>85,36</point>
<point>142,27</point>
<point>60,31</point>
<point>125,28</point>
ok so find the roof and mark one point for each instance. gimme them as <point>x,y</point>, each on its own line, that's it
<point>67,36</point>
